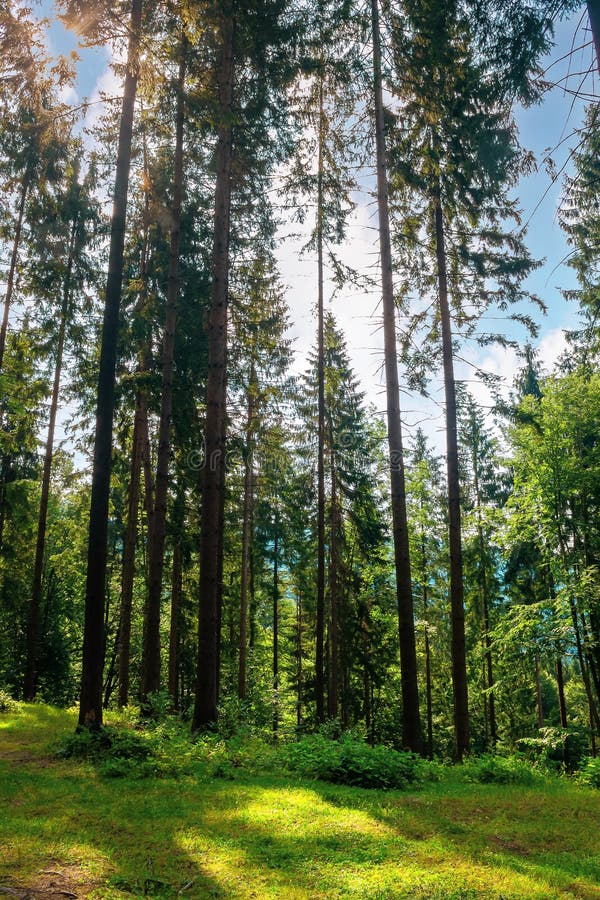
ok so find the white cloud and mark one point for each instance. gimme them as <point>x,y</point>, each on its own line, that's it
<point>552,345</point>
<point>108,85</point>
<point>68,94</point>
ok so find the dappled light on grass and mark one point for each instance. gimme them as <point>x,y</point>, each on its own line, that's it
<point>275,836</point>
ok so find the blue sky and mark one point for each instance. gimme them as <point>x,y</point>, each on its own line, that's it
<point>93,59</point>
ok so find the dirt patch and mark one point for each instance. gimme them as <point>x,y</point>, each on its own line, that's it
<point>583,891</point>
<point>60,883</point>
<point>510,846</point>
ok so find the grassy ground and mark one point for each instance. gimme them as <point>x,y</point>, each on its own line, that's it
<point>65,830</point>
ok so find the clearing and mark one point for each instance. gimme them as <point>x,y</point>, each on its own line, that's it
<point>66,830</point>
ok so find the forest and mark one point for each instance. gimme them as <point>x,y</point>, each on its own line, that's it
<point>220,546</point>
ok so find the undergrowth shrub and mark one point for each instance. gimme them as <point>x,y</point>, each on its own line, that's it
<point>490,769</point>
<point>350,761</point>
<point>7,704</point>
<point>589,773</point>
<point>556,749</point>
<point>117,752</point>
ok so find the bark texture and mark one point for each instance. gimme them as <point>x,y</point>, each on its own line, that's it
<point>457,609</point>
<point>411,723</point>
<point>211,520</point>
<point>151,638</point>
<point>320,623</point>
<point>90,708</point>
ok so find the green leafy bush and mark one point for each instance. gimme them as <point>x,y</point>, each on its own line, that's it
<point>157,707</point>
<point>590,772</point>
<point>490,769</point>
<point>556,749</point>
<point>7,704</point>
<point>106,745</point>
<point>351,761</point>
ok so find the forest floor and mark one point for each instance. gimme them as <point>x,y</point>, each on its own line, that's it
<point>67,830</point>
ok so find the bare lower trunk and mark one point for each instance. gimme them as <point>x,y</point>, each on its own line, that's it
<point>151,642</point>
<point>220,559</point>
<point>333,685</point>
<point>299,662</point>
<point>320,618</point>
<point>485,604</point>
<point>147,467</point>
<point>33,629</point>
<point>276,630</point>
<point>175,628</point>
<point>140,456</point>
<point>128,565</point>
<point>211,526</point>
<point>457,611</point>
<point>251,585</point>
<point>90,711</point>
<point>428,685</point>
<point>246,539</point>
<point>411,723</point>
<point>538,693</point>
<point>583,663</point>
<point>560,689</point>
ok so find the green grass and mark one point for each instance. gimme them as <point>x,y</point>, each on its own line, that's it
<point>64,826</point>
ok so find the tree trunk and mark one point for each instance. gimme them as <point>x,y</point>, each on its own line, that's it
<point>33,629</point>
<point>147,466</point>
<point>13,265</point>
<point>220,559</point>
<point>581,655</point>
<point>211,525</point>
<point>538,693</point>
<point>151,641</point>
<point>174,631</point>
<point>457,610</point>
<point>140,456</point>
<point>90,710</point>
<point>560,689</point>
<point>485,604</point>
<point>367,699</point>
<point>583,663</point>
<point>246,537</point>
<point>299,662</point>
<point>320,622</point>
<point>333,671</point>
<point>411,723</point>
<point>428,686</point>
<point>128,565</point>
<point>593,8</point>
<point>276,629</point>
<point>251,585</point>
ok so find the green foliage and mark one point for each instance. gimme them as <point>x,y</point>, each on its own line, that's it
<point>7,704</point>
<point>157,706</point>
<point>556,748</point>
<point>590,772</point>
<point>351,761</point>
<point>118,753</point>
<point>490,769</point>
<point>106,743</point>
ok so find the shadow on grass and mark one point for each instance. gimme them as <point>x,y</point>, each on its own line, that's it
<point>549,833</point>
<point>266,837</point>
